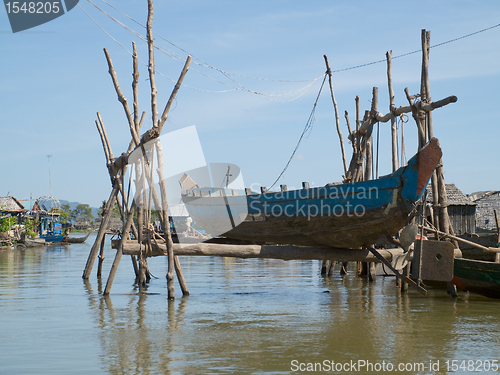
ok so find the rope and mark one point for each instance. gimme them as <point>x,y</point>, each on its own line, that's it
<point>306,128</point>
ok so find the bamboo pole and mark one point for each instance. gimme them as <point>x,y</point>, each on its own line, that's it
<point>106,152</point>
<point>337,121</point>
<point>118,256</point>
<point>102,231</point>
<point>426,99</point>
<point>368,136</point>
<point>174,93</point>
<point>121,97</point>
<point>392,107</point>
<point>101,257</point>
<point>135,82</point>
<point>346,116</point>
<point>151,64</point>
<point>180,276</point>
<point>166,223</point>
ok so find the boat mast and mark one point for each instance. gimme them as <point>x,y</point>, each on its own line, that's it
<point>50,179</point>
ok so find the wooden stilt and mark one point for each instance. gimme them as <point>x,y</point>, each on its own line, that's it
<point>325,265</point>
<point>331,268</point>
<point>119,252</point>
<point>135,266</point>
<point>180,276</point>
<point>343,268</point>
<point>372,272</point>
<point>101,257</point>
<point>102,231</point>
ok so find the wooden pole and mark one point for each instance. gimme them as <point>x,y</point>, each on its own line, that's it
<point>135,82</point>
<point>101,257</point>
<point>151,65</point>
<point>458,239</point>
<point>106,152</point>
<point>180,276</point>
<point>392,107</point>
<point>166,223</point>
<point>497,222</point>
<point>337,121</point>
<point>102,231</point>
<point>119,252</point>
<point>121,97</point>
<point>174,93</point>
<point>368,136</point>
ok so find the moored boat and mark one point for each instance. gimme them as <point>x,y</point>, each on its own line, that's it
<point>76,239</point>
<point>342,216</point>
<point>477,276</point>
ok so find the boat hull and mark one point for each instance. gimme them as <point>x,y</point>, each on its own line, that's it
<point>52,238</point>
<point>342,216</point>
<point>477,276</point>
<point>76,239</point>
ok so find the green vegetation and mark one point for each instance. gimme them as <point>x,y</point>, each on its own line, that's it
<point>82,212</point>
<point>6,223</point>
<point>65,213</point>
<point>30,226</point>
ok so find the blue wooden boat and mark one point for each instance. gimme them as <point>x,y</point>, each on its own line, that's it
<point>52,237</point>
<point>341,216</point>
<point>50,229</point>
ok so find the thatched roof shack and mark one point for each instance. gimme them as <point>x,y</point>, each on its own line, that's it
<point>486,201</point>
<point>461,210</point>
<point>10,205</point>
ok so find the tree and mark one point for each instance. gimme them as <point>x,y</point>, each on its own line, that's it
<point>82,212</point>
<point>65,213</point>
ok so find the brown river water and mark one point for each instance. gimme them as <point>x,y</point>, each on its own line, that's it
<point>242,317</point>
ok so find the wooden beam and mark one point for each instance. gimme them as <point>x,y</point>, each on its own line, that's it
<point>263,251</point>
<point>470,243</point>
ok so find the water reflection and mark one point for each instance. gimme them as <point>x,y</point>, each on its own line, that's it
<point>243,316</point>
<point>133,341</point>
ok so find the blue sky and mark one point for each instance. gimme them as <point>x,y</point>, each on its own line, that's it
<point>54,79</point>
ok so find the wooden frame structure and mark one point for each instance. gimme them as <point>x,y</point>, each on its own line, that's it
<point>144,170</point>
<point>147,243</point>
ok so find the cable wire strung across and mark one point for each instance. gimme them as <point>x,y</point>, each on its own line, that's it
<point>308,126</point>
<point>293,94</point>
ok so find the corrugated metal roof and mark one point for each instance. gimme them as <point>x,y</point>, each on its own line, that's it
<point>454,196</point>
<point>10,204</point>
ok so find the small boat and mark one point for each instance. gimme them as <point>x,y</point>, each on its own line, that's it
<point>52,237</point>
<point>477,276</point>
<point>33,242</point>
<point>342,216</point>
<point>76,239</point>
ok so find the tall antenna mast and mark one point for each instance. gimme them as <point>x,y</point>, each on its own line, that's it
<point>50,179</point>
